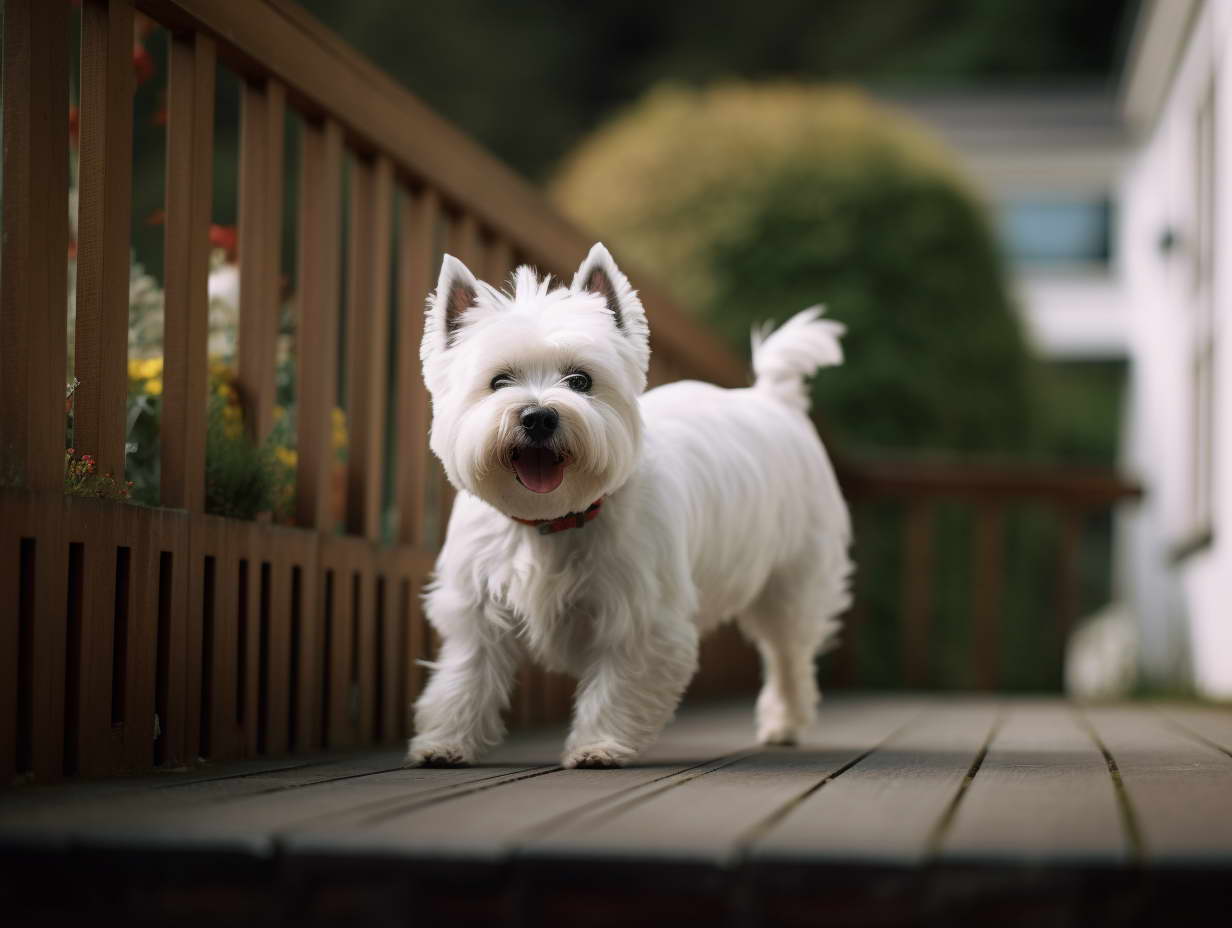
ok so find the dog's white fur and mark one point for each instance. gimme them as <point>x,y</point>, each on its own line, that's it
<point>717,503</point>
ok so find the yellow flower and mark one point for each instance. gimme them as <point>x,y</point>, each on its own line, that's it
<point>339,429</point>
<point>145,368</point>
<point>279,413</point>
<point>154,386</point>
<point>287,457</point>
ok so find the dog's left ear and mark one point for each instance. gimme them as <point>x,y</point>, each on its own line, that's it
<point>599,274</point>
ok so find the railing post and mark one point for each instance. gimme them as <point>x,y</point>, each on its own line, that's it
<point>918,588</point>
<point>1067,593</point>
<point>316,383</point>
<point>367,317</point>
<point>33,270</point>
<point>416,252</point>
<point>260,249</point>
<point>988,583</point>
<point>190,151</point>
<point>104,207</point>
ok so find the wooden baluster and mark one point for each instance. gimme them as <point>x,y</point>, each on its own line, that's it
<point>367,275</point>
<point>104,207</point>
<point>917,597</point>
<point>988,584</point>
<point>463,242</point>
<point>1067,593</point>
<point>262,115</point>
<point>416,253</point>
<point>320,219</point>
<point>499,263</point>
<point>190,150</point>
<point>33,362</point>
<point>33,332</point>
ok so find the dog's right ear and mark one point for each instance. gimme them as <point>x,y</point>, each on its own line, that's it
<point>455,295</point>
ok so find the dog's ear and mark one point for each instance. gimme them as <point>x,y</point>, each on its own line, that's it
<point>599,274</point>
<point>455,294</point>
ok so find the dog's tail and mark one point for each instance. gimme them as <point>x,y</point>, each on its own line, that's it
<point>784,357</point>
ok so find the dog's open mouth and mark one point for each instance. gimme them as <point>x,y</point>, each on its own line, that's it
<point>540,470</point>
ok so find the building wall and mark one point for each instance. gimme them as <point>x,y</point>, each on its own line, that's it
<point>1175,566</point>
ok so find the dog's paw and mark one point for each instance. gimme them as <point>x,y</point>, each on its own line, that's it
<point>781,735</point>
<point>602,755</point>
<point>436,755</point>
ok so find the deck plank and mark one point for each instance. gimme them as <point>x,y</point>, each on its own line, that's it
<point>887,807</point>
<point>492,823</point>
<point>1212,724</point>
<point>1043,792</point>
<point>1178,788</point>
<point>703,818</point>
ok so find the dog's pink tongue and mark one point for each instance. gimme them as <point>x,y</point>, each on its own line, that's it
<point>539,470</point>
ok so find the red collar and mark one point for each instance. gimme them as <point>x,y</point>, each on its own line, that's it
<point>571,520</point>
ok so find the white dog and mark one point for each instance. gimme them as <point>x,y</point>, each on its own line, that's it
<point>603,530</point>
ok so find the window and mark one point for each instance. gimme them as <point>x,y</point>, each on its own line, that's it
<point>1057,230</point>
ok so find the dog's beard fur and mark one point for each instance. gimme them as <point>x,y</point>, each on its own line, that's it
<point>535,340</point>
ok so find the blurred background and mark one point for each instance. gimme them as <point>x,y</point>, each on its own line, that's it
<point>1012,207</point>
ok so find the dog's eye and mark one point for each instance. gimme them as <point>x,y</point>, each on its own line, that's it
<point>579,381</point>
<point>501,380</point>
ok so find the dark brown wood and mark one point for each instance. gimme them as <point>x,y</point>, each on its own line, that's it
<point>420,214</point>
<point>262,114</point>
<point>1067,593</point>
<point>975,479</point>
<point>365,322</point>
<point>374,374</point>
<point>190,136</point>
<point>1043,792</point>
<point>33,333</point>
<point>103,211</point>
<point>918,538</point>
<point>890,806</point>
<point>320,218</point>
<point>988,586</point>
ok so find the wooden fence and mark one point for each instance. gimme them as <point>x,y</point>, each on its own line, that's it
<point>135,637</point>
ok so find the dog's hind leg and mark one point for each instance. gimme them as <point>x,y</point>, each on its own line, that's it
<point>789,622</point>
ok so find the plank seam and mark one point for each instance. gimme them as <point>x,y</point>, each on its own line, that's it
<point>621,807</point>
<point>753,834</point>
<point>932,847</point>
<point>543,829</point>
<point>1180,726</point>
<point>1129,819</point>
<point>430,797</point>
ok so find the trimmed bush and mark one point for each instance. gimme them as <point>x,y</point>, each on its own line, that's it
<point>753,202</point>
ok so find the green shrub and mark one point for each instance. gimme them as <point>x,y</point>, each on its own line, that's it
<point>753,202</point>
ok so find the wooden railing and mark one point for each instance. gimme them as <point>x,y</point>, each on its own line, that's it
<point>132,637</point>
<point>992,494</point>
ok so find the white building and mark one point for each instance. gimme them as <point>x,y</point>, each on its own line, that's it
<point>1048,161</point>
<point>1174,229</point>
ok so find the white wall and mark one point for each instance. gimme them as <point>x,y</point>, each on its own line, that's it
<point>1184,608</point>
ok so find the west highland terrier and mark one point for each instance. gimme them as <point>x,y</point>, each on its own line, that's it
<point>602,530</point>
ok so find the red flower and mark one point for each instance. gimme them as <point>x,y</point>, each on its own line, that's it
<point>226,238</point>
<point>143,63</point>
<point>74,125</point>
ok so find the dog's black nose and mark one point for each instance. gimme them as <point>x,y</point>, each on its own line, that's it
<point>539,422</point>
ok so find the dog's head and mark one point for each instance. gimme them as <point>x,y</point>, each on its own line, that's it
<point>535,391</point>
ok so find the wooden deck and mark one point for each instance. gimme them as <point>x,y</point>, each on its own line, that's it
<point>897,810</point>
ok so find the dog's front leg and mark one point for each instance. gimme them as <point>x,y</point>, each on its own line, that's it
<point>628,694</point>
<point>459,714</point>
